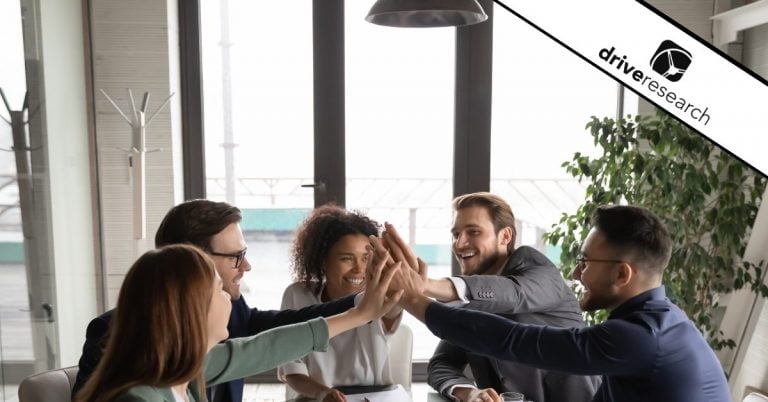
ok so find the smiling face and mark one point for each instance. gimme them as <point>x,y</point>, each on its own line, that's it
<point>218,313</point>
<point>345,266</point>
<point>476,245</point>
<point>597,277</point>
<point>230,241</point>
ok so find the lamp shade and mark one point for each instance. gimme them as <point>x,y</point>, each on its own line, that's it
<point>426,13</point>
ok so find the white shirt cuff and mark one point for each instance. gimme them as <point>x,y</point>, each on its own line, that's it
<point>450,390</point>
<point>461,290</point>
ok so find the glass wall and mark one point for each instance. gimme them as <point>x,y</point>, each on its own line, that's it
<point>28,340</point>
<point>399,145</point>
<point>259,128</point>
<point>399,97</point>
<point>543,96</point>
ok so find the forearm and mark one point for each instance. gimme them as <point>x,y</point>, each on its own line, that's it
<point>305,385</point>
<point>235,358</point>
<point>345,321</point>
<point>614,347</point>
<point>441,289</point>
<point>262,320</point>
<point>446,368</point>
<point>416,305</point>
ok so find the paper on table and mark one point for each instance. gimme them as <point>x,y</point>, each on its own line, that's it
<point>396,394</point>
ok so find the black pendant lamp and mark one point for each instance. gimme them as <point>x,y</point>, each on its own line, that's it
<point>426,13</point>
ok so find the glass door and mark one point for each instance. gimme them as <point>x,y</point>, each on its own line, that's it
<point>399,145</point>
<point>259,128</point>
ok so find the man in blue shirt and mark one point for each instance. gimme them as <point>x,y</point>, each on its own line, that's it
<point>647,350</point>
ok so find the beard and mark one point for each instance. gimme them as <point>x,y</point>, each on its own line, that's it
<point>592,302</point>
<point>487,265</point>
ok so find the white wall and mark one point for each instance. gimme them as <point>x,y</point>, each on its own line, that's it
<point>745,310</point>
<point>134,45</point>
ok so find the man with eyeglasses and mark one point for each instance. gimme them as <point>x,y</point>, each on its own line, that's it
<point>647,351</point>
<point>215,228</point>
<point>518,283</point>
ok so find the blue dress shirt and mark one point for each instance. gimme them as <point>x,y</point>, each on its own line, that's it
<point>648,350</point>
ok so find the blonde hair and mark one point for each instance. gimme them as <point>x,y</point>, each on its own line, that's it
<point>158,336</point>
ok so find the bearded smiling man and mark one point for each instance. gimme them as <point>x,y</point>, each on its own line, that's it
<point>647,351</point>
<point>520,284</point>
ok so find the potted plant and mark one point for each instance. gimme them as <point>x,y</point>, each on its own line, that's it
<point>707,198</point>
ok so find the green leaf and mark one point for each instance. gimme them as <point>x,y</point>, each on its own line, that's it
<point>708,200</point>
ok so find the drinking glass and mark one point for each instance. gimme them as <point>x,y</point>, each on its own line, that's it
<point>512,397</point>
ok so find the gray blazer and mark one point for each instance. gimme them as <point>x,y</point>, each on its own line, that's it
<point>530,290</point>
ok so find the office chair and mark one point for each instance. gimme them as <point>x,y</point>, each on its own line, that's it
<point>400,352</point>
<point>756,397</point>
<point>48,386</point>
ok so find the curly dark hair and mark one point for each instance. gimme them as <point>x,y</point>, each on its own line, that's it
<point>324,226</point>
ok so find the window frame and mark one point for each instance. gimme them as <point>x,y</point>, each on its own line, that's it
<point>472,117</point>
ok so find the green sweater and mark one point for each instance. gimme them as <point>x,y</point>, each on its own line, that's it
<point>241,357</point>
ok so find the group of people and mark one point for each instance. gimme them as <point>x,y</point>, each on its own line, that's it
<point>182,331</point>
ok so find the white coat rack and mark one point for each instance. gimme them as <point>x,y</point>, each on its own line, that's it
<point>22,150</point>
<point>137,157</point>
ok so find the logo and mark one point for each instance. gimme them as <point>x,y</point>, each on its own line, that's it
<point>671,60</point>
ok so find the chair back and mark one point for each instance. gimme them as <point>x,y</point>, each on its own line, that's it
<point>756,397</point>
<point>400,352</point>
<point>49,386</point>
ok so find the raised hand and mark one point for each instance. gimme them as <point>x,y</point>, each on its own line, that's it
<point>411,279</point>
<point>400,251</point>
<point>398,248</point>
<point>375,301</point>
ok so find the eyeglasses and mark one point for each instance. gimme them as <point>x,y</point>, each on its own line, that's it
<point>239,257</point>
<point>581,261</point>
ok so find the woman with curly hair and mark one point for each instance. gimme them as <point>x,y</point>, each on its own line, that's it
<point>172,313</point>
<point>330,254</point>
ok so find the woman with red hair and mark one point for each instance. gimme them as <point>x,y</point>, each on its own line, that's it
<point>171,315</point>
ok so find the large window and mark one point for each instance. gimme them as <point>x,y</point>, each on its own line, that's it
<point>398,94</point>
<point>399,97</point>
<point>259,128</point>
<point>28,337</point>
<point>543,96</point>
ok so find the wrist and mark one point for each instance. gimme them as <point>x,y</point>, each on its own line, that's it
<point>322,393</point>
<point>430,289</point>
<point>358,316</point>
<point>461,393</point>
<point>410,301</point>
<point>393,313</point>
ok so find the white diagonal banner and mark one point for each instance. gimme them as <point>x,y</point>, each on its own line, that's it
<point>664,64</point>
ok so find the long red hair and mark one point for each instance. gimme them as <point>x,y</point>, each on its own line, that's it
<point>158,335</point>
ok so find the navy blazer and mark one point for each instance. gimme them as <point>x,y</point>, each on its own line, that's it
<point>243,321</point>
<point>647,351</point>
